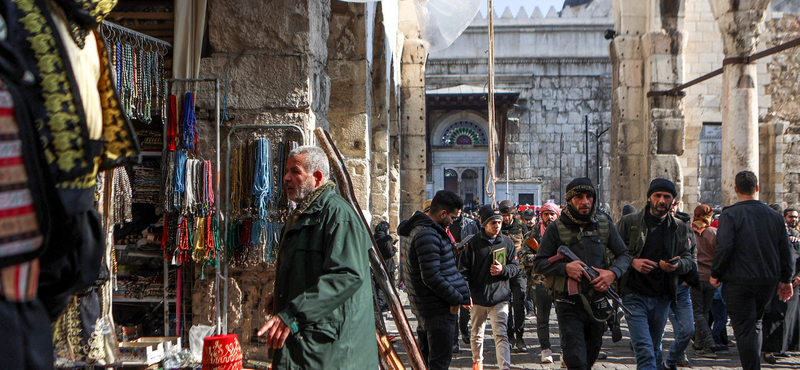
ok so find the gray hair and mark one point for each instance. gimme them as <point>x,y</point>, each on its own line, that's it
<point>316,160</point>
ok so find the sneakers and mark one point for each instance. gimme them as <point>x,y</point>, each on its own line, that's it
<point>684,361</point>
<point>704,352</point>
<point>456,349</point>
<point>520,346</point>
<point>670,367</point>
<point>547,356</point>
<point>477,366</point>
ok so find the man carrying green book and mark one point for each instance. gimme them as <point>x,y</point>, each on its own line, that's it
<point>487,263</point>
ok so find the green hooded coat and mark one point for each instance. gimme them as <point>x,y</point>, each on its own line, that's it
<point>323,291</point>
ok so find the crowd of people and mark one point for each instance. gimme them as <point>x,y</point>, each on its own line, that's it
<point>656,264</point>
<point>499,265</point>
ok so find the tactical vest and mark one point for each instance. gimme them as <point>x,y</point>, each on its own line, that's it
<point>557,286</point>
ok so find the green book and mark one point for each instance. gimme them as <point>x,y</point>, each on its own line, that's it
<point>499,255</point>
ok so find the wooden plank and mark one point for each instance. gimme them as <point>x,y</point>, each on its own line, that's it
<point>142,15</point>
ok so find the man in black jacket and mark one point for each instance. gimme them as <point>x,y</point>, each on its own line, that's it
<point>515,229</point>
<point>488,277</point>
<point>435,287</point>
<point>752,259</point>
<point>651,285</point>
<point>589,235</point>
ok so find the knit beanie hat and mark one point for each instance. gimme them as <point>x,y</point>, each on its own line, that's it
<point>579,186</point>
<point>488,213</point>
<point>662,185</point>
<point>628,209</point>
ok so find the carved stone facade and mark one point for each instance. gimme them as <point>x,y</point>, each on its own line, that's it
<point>556,63</point>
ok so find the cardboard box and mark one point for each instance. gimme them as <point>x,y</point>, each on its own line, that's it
<point>140,353</point>
<point>169,342</point>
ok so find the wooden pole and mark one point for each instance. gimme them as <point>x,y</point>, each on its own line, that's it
<point>379,269</point>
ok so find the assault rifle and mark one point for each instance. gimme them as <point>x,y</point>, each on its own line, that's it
<point>565,253</point>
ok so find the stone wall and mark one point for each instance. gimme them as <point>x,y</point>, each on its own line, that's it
<point>555,62</point>
<point>784,69</point>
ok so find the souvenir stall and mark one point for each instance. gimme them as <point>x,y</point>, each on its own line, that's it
<point>256,209</point>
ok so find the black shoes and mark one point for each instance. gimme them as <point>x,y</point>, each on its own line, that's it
<point>668,367</point>
<point>769,358</point>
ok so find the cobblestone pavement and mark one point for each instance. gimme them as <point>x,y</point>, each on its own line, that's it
<point>620,355</point>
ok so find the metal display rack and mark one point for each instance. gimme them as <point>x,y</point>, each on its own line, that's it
<point>191,85</point>
<point>223,329</point>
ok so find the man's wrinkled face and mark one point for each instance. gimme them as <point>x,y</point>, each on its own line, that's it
<point>791,219</point>
<point>299,182</point>
<point>660,203</point>
<point>493,227</point>
<point>548,217</point>
<point>582,203</point>
<point>508,218</point>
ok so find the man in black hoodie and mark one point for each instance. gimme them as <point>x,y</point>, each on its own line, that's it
<point>753,260</point>
<point>435,287</point>
<point>589,234</point>
<point>487,275</point>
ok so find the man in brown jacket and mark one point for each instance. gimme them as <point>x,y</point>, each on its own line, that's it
<point>703,294</point>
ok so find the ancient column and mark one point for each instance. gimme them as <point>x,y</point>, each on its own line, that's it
<point>741,23</point>
<point>412,113</point>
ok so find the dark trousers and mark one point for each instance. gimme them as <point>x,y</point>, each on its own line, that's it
<point>719,314</point>
<point>746,305</point>
<point>26,340</point>
<point>543,302</point>
<point>463,324</point>
<point>435,339</point>
<point>702,297</point>
<point>581,336</point>
<point>792,309</point>
<point>516,308</point>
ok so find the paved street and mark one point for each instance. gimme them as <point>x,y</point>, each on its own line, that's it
<point>620,355</point>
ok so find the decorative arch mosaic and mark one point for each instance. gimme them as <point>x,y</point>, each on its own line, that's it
<point>450,173</point>
<point>464,133</point>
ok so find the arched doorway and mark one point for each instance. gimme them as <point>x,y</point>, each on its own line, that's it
<point>469,187</point>
<point>451,180</point>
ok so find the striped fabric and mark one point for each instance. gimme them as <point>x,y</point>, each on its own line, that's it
<point>19,229</point>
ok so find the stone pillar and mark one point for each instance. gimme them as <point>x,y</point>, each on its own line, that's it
<point>381,77</point>
<point>412,128</point>
<point>412,113</point>
<point>349,113</point>
<point>741,24</point>
<point>647,133</point>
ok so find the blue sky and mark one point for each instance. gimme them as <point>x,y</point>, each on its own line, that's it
<point>544,5</point>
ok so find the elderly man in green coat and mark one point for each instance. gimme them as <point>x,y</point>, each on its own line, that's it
<point>322,304</point>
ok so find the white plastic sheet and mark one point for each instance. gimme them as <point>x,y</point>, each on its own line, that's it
<point>197,335</point>
<point>442,21</point>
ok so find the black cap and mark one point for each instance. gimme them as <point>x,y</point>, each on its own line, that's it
<point>579,186</point>
<point>507,206</point>
<point>628,209</point>
<point>488,213</point>
<point>662,185</point>
<point>528,214</point>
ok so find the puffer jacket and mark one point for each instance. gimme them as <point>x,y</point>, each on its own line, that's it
<point>432,279</point>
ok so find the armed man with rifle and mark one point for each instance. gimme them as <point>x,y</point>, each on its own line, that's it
<point>592,238</point>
